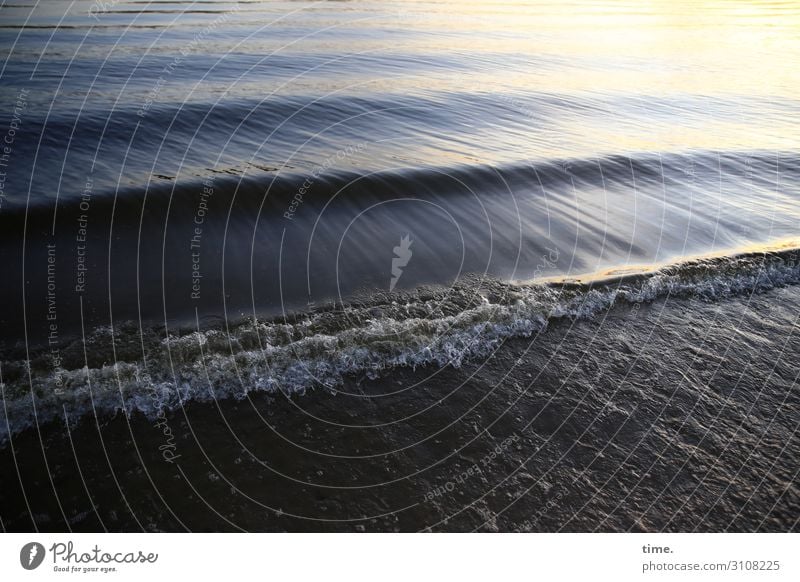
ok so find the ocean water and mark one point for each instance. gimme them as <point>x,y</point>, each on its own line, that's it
<point>209,202</point>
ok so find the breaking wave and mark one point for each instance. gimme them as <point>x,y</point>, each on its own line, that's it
<point>152,371</point>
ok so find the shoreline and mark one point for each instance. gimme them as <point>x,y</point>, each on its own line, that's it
<point>130,369</point>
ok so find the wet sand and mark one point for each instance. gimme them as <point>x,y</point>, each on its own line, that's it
<point>680,415</point>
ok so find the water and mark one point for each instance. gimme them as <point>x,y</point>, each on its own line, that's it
<point>209,200</point>
<point>324,132</point>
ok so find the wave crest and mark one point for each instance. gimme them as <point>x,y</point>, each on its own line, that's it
<point>319,348</point>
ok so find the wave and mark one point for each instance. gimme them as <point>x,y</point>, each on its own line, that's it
<point>151,372</point>
<point>256,184</point>
<point>271,238</point>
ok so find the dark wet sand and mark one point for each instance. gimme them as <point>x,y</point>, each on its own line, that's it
<point>674,416</point>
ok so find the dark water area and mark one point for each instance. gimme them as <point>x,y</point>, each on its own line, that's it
<point>282,265</point>
<point>229,248</point>
<point>679,415</point>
